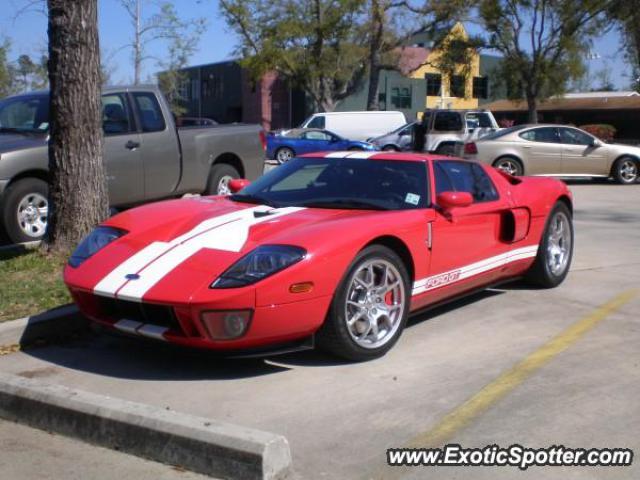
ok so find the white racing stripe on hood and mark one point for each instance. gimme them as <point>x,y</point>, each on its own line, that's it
<point>227,232</point>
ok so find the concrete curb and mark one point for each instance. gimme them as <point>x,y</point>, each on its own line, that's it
<point>198,444</point>
<point>53,323</point>
<point>20,247</point>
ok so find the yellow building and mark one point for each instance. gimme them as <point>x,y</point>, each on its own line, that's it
<point>458,91</point>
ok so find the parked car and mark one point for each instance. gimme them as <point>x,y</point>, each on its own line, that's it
<point>308,140</point>
<point>356,125</point>
<point>397,141</point>
<point>333,249</point>
<point>146,157</point>
<point>556,150</point>
<point>448,130</point>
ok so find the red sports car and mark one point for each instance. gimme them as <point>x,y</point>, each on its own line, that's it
<point>330,249</point>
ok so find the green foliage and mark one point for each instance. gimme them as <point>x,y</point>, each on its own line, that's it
<point>183,37</point>
<point>318,45</point>
<point>542,41</point>
<point>603,131</point>
<point>6,72</point>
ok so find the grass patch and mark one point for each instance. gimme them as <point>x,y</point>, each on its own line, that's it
<point>30,282</point>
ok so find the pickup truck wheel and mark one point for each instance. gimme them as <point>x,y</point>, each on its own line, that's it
<point>25,209</point>
<point>219,179</point>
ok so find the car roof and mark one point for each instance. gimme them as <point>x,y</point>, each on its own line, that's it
<point>401,156</point>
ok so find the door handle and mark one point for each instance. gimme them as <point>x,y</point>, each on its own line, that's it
<point>131,145</point>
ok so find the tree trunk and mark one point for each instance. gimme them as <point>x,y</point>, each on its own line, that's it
<point>532,107</point>
<point>137,48</point>
<point>77,184</point>
<point>377,25</point>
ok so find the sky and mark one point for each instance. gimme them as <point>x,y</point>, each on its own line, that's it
<point>28,32</point>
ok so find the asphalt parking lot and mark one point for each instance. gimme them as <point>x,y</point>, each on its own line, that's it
<point>509,365</point>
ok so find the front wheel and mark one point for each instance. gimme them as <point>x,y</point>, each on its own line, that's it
<point>219,179</point>
<point>555,250</point>
<point>25,210</point>
<point>370,307</point>
<point>625,171</point>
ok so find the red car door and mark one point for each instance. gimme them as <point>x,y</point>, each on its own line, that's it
<point>467,248</point>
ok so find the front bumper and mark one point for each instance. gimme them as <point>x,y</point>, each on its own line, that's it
<point>271,327</point>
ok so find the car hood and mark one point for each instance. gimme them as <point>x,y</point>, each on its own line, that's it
<point>11,142</point>
<point>189,243</point>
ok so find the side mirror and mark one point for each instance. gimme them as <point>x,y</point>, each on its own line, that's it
<point>449,200</point>
<point>238,184</point>
<point>595,143</point>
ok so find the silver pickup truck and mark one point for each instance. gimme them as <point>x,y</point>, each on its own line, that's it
<point>146,157</point>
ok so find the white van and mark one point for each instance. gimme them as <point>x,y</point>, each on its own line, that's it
<point>356,125</point>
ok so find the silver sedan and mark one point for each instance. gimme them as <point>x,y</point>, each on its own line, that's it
<point>556,150</point>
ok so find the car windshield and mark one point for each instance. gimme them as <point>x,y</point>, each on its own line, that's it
<point>345,183</point>
<point>400,129</point>
<point>26,114</point>
<point>503,132</point>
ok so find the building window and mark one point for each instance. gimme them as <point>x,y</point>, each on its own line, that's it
<point>195,89</point>
<point>480,87</point>
<point>434,84</point>
<point>401,97</point>
<point>457,86</point>
<point>183,89</point>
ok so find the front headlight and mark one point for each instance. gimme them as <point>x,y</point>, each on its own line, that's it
<point>99,238</point>
<point>258,264</point>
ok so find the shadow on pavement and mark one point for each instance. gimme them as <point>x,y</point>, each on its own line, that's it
<point>138,359</point>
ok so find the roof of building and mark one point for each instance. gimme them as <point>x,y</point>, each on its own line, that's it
<point>599,102</point>
<point>626,93</point>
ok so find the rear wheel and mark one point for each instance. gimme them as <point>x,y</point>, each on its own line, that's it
<point>219,179</point>
<point>284,154</point>
<point>626,171</point>
<point>509,165</point>
<point>370,307</point>
<point>25,210</point>
<point>555,251</point>
<point>390,148</point>
<point>448,149</point>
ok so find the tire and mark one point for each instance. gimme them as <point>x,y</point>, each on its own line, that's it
<point>510,165</point>
<point>219,177</point>
<point>542,272</point>
<point>626,171</point>
<point>357,342</point>
<point>390,148</point>
<point>25,209</point>
<point>284,154</point>
<point>447,149</point>
<point>355,149</point>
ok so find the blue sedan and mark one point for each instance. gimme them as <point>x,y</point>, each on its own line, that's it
<point>308,140</point>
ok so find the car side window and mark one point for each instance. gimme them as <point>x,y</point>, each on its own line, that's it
<point>543,135</point>
<point>316,122</point>
<point>316,136</point>
<point>478,119</point>
<point>447,122</point>
<point>116,117</point>
<point>149,111</point>
<point>454,176</point>
<point>574,137</point>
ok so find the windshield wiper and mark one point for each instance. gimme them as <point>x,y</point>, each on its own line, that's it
<point>249,198</point>
<point>345,203</point>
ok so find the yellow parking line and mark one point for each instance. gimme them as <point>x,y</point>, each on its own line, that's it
<point>501,386</point>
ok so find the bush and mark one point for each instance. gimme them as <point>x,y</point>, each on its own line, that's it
<point>603,131</point>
